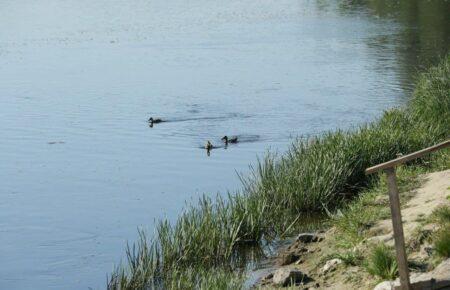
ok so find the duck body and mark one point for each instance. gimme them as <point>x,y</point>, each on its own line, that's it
<point>227,139</point>
<point>154,120</point>
<point>209,145</point>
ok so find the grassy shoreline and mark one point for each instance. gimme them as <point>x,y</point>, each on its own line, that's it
<point>316,175</point>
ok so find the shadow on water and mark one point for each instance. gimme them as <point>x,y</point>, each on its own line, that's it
<point>248,138</point>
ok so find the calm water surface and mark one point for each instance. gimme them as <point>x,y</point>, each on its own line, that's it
<point>80,169</point>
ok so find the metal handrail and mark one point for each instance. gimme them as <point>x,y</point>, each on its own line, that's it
<point>394,202</point>
<point>407,158</point>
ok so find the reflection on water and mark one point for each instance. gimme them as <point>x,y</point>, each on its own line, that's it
<point>422,36</point>
<point>206,118</point>
<point>80,168</point>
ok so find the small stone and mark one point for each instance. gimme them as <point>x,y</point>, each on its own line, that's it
<point>287,259</point>
<point>309,238</point>
<point>302,250</point>
<point>286,277</point>
<point>331,265</point>
<point>428,250</point>
<point>386,285</point>
<point>299,261</point>
<point>267,277</point>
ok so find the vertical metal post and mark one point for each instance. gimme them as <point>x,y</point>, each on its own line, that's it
<point>394,201</point>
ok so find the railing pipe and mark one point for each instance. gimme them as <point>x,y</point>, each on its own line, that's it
<point>394,202</point>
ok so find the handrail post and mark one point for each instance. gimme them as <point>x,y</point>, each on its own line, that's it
<point>394,201</point>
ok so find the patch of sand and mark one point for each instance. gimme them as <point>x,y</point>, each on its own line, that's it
<point>431,195</point>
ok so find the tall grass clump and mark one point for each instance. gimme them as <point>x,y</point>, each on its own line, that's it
<point>314,176</point>
<point>441,215</point>
<point>382,263</point>
<point>441,240</point>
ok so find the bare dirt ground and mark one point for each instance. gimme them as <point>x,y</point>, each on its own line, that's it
<point>432,194</point>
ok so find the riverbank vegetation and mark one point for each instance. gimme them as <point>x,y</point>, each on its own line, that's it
<point>442,240</point>
<point>317,175</point>
<point>382,262</point>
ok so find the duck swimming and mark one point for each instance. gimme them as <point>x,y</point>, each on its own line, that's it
<point>209,145</point>
<point>229,140</point>
<point>154,121</point>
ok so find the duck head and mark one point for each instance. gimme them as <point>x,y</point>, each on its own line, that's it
<point>225,139</point>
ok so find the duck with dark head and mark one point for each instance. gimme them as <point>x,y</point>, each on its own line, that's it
<point>152,121</point>
<point>228,140</point>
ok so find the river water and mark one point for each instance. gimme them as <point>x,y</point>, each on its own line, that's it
<point>80,169</point>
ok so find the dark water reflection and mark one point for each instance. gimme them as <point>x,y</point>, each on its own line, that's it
<point>80,169</point>
<point>420,38</point>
